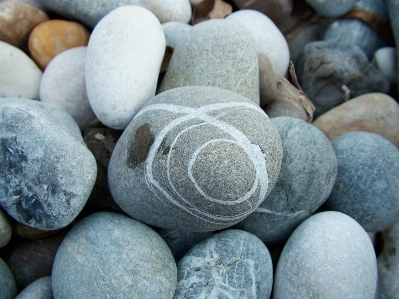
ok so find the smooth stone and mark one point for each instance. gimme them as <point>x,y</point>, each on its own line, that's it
<point>17,20</point>
<point>325,69</point>
<point>174,31</point>
<point>331,8</point>
<point>374,112</point>
<point>110,255</point>
<point>388,263</point>
<point>218,53</point>
<point>307,176</point>
<point>166,11</point>
<point>64,84</point>
<point>5,230</point>
<point>48,173</point>
<point>39,289</point>
<point>230,264</point>
<point>268,38</point>
<point>8,288</point>
<point>378,7</point>
<point>267,83</point>
<point>177,151</point>
<point>329,256</point>
<point>28,232</point>
<point>130,44</point>
<point>368,167</point>
<point>386,61</point>
<point>35,3</point>
<point>50,38</point>
<point>19,77</point>
<point>195,2</point>
<point>393,10</point>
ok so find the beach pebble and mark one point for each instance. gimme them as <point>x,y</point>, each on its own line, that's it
<point>174,31</point>
<point>53,37</point>
<point>171,10</point>
<point>367,181</point>
<point>5,229</point>
<point>386,61</point>
<point>378,7</point>
<point>332,8</point>
<point>123,61</point>
<point>110,255</point>
<point>329,256</point>
<point>48,173</point>
<point>19,77</point>
<point>63,83</point>
<point>39,289</point>
<point>393,9</point>
<point>17,20</point>
<point>8,288</point>
<point>230,264</point>
<point>307,176</point>
<point>28,232</point>
<point>199,166</point>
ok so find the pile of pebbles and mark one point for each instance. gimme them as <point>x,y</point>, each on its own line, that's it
<point>199,149</point>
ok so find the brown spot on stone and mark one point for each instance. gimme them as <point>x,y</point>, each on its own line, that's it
<point>143,139</point>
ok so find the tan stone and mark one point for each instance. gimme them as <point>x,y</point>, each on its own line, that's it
<point>53,37</point>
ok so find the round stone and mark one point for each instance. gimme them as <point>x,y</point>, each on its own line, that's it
<point>198,165</point>
<point>39,289</point>
<point>174,31</point>
<point>111,255</point>
<point>8,288</point>
<point>5,229</point>
<point>230,264</point>
<point>331,8</point>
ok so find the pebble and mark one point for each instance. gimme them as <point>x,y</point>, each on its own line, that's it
<point>393,9</point>
<point>230,264</point>
<point>123,61</point>
<point>35,3</point>
<point>19,77</point>
<point>378,7</point>
<point>174,31</point>
<point>39,289</point>
<point>307,176</point>
<point>17,20</point>
<point>48,173</point>
<point>28,232</point>
<point>329,256</point>
<point>63,83</point>
<point>53,37</point>
<point>367,181</point>
<point>331,8</point>
<point>386,61</point>
<point>5,230</point>
<point>167,11</point>
<point>177,151</point>
<point>8,288</point>
<point>373,112</point>
<point>110,255</point>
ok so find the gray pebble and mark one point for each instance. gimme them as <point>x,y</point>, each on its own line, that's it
<point>174,31</point>
<point>5,229</point>
<point>393,9</point>
<point>8,287</point>
<point>331,8</point>
<point>39,289</point>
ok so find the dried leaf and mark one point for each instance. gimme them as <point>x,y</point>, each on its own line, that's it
<point>210,9</point>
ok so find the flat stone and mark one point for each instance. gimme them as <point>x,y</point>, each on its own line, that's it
<point>8,288</point>
<point>5,230</point>
<point>122,258</point>
<point>199,166</point>
<point>332,8</point>
<point>328,249</point>
<point>39,289</point>
<point>230,264</point>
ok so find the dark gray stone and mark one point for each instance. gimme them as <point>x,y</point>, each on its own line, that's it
<point>325,68</point>
<point>110,255</point>
<point>307,176</point>
<point>195,159</point>
<point>46,173</point>
<point>230,264</point>
<point>367,181</point>
<point>8,288</point>
<point>39,289</point>
<point>5,229</point>
<point>393,9</point>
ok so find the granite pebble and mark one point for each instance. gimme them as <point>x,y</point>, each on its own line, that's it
<point>8,288</point>
<point>39,289</point>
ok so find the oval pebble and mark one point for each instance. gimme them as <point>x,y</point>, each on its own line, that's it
<point>8,287</point>
<point>39,289</point>
<point>5,229</point>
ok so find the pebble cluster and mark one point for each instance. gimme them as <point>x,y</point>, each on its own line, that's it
<point>199,149</point>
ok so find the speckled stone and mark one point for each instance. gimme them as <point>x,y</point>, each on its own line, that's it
<point>167,11</point>
<point>230,264</point>
<point>110,255</point>
<point>39,289</point>
<point>367,181</point>
<point>307,176</point>
<point>329,256</point>
<point>174,31</point>
<point>5,229</point>
<point>217,53</point>
<point>8,288</point>
<point>199,166</point>
<point>332,8</point>
<point>48,173</point>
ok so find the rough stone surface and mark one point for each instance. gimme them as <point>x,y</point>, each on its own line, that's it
<point>5,230</point>
<point>48,173</point>
<point>123,61</point>
<point>39,289</point>
<point>199,166</point>
<point>230,264</point>
<point>374,112</point>
<point>307,176</point>
<point>332,8</point>
<point>217,53</point>
<point>166,11</point>
<point>367,181</point>
<point>63,83</point>
<point>329,256</point>
<point>110,255</point>
<point>8,288</point>
<point>174,31</point>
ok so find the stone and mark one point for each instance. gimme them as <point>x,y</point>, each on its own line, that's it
<point>198,165</point>
<point>174,31</point>
<point>35,3</point>
<point>53,37</point>
<point>368,167</point>
<point>17,20</point>
<point>5,229</point>
<point>268,38</point>
<point>328,73</point>
<point>39,289</point>
<point>64,84</point>
<point>386,61</point>
<point>393,10</point>
<point>111,255</point>
<point>307,176</point>
<point>230,264</point>
<point>373,112</point>
<point>166,11</point>
<point>31,233</point>
<point>332,8</point>
<point>327,250</point>
<point>19,77</point>
<point>8,288</point>
<point>378,7</point>
<point>218,53</point>
<point>130,44</point>
<point>47,172</point>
